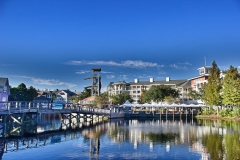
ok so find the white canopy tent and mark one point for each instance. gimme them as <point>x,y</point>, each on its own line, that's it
<point>127,103</point>
<point>162,105</point>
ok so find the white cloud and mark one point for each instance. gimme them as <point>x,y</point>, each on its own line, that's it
<point>180,65</point>
<point>177,66</point>
<point>48,82</point>
<point>82,72</point>
<point>127,63</point>
<point>105,72</point>
<point>110,76</point>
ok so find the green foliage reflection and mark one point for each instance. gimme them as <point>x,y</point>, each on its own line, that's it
<point>213,143</point>
<point>160,137</point>
<point>232,145</point>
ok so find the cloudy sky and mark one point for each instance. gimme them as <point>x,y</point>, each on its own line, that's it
<point>55,43</point>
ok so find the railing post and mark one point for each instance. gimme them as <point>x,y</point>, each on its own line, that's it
<point>8,107</point>
<point>20,106</point>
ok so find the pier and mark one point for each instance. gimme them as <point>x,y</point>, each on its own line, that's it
<point>16,116</point>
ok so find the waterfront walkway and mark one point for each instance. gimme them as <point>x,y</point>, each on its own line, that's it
<point>32,107</point>
<point>15,107</point>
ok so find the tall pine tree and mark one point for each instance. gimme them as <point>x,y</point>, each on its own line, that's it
<point>231,87</point>
<point>213,87</point>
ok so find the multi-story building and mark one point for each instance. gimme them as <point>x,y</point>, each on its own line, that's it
<point>136,88</point>
<point>4,92</point>
<point>64,96</point>
<point>198,81</point>
<point>45,96</point>
<point>115,88</point>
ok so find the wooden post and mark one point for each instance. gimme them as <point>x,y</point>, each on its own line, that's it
<point>160,113</point>
<point>166,113</point>
<point>173,114</point>
<point>180,112</point>
<point>186,114</point>
<point>192,113</point>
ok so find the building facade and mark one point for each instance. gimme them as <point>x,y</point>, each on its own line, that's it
<point>4,92</point>
<point>136,87</point>
<point>198,81</point>
<point>64,96</point>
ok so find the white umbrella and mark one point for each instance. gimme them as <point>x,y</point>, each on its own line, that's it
<point>127,103</point>
<point>174,105</point>
<point>184,105</point>
<point>147,105</point>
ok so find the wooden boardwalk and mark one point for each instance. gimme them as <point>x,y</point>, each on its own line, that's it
<point>14,107</point>
<point>14,116</point>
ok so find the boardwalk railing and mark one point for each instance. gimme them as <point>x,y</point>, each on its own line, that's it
<point>26,106</point>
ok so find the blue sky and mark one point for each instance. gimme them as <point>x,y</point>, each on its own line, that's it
<point>55,43</point>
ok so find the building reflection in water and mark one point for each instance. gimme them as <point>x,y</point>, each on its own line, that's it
<point>171,133</point>
<point>198,135</point>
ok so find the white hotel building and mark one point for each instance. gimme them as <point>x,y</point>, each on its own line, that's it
<point>183,86</point>
<point>135,88</point>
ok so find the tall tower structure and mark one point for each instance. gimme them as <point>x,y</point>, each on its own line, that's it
<point>96,82</point>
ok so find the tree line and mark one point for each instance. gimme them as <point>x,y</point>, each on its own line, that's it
<point>158,93</point>
<point>22,93</point>
<point>221,93</point>
<point>217,92</point>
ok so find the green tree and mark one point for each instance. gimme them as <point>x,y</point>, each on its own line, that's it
<point>169,99</point>
<point>121,98</point>
<point>102,99</point>
<point>32,93</point>
<point>159,93</point>
<point>142,97</point>
<point>13,94</point>
<point>231,87</point>
<point>86,93</point>
<point>202,94</point>
<point>212,89</point>
<point>193,94</point>
<point>21,93</point>
<point>75,98</point>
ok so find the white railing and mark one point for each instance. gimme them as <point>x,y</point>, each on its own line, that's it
<point>25,106</point>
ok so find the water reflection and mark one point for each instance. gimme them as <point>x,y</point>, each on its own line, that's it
<point>137,139</point>
<point>211,139</point>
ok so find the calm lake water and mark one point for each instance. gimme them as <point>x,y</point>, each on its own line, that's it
<point>127,139</point>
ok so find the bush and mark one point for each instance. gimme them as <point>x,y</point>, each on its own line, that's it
<point>230,113</point>
<point>236,111</point>
<point>209,111</point>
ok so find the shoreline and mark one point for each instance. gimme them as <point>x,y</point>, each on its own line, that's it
<point>215,117</point>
